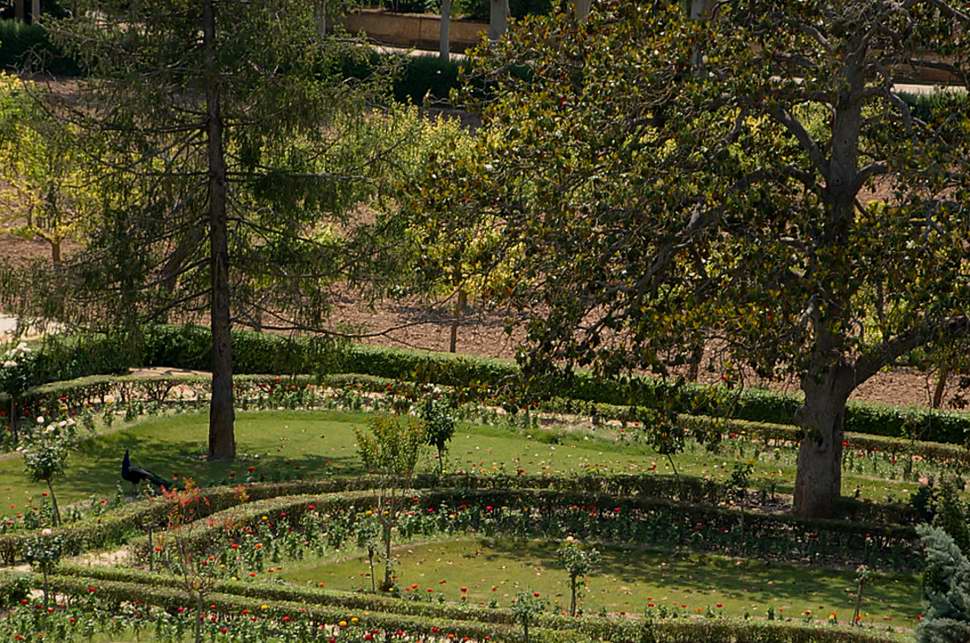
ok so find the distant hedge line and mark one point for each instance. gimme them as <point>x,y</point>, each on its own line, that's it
<point>28,46</point>
<point>189,347</point>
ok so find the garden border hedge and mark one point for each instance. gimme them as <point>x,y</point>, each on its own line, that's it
<point>592,628</point>
<point>189,348</point>
<point>46,398</point>
<point>126,524</point>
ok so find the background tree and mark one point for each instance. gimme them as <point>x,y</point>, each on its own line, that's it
<point>45,192</point>
<point>663,179</point>
<point>231,152</point>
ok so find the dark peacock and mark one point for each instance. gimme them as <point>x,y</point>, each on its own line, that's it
<point>135,475</point>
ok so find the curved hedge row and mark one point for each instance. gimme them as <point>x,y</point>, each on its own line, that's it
<point>588,628</point>
<point>596,517</point>
<point>168,346</point>
<point>668,499</point>
<point>189,348</point>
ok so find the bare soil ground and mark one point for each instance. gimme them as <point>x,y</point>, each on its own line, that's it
<point>414,326</point>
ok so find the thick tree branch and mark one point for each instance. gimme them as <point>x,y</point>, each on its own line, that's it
<point>949,329</point>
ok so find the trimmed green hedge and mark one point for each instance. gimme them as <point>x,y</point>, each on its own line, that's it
<point>189,348</point>
<point>590,628</point>
<point>667,495</point>
<point>13,589</point>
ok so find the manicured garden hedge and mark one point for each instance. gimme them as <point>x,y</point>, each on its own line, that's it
<point>590,628</point>
<point>258,353</point>
<point>189,347</point>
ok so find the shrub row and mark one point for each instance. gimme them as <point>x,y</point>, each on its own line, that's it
<point>174,598</point>
<point>13,589</point>
<point>53,399</point>
<point>590,628</point>
<point>255,353</point>
<point>641,520</point>
<point>189,347</point>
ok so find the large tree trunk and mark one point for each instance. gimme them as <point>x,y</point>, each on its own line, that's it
<point>222,440</point>
<point>20,10</point>
<point>498,20</point>
<point>818,483</point>
<point>444,45</point>
<point>35,12</point>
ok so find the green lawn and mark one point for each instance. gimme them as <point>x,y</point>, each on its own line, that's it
<point>627,580</point>
<point>319,444</point>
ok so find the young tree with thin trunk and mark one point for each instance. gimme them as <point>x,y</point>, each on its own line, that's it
<point>663,178</point>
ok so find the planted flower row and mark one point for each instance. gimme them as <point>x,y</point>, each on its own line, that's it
<point>242,539</point>
<point>98,605</point>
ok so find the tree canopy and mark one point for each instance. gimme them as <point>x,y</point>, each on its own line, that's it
<point>752,178</point>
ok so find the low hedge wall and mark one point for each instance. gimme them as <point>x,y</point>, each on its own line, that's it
<point>609,518</point>
<point>189,348</point>
<point>49,400</point>
<point>13,589</point>
<point>590,628</point>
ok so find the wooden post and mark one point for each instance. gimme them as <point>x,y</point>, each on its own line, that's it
<point>444,45</point>
<point>582,9</point>
<point>498,22</point>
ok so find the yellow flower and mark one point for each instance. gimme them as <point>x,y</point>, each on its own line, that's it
<point>264,606</point>
<point>342,623</point>
<point>354,620</point>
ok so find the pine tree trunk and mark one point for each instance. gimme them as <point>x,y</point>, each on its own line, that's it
<point>818,483</point>
<point>444,45</point>
<point>222,440</point>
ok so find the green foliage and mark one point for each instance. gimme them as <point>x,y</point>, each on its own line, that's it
<point>479,9</point>
<point>13,589</point>
<point>527,607</point>
<point>29,47</point>
<point>392,447</point>
<point>946,586</point>
<point>438,415</point>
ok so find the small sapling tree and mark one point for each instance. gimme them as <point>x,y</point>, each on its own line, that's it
<point>440,422</point>
<point>390,450</point>
<point>369,538</point>
<point>44,552</point>
<point>45,457</point>
<point>578,562</point>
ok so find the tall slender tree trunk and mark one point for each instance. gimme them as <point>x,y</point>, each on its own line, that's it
<point>818,482</point>
<point>444,45</point>
<point>459,311</point>
<point>34,12</point>
<point>222,439</point>
<point>56,253</point>
<point>498,21</point>
<point>320,13</point>
<point>940,389</point>
<point>581,7</point>
<point>20,10</point>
